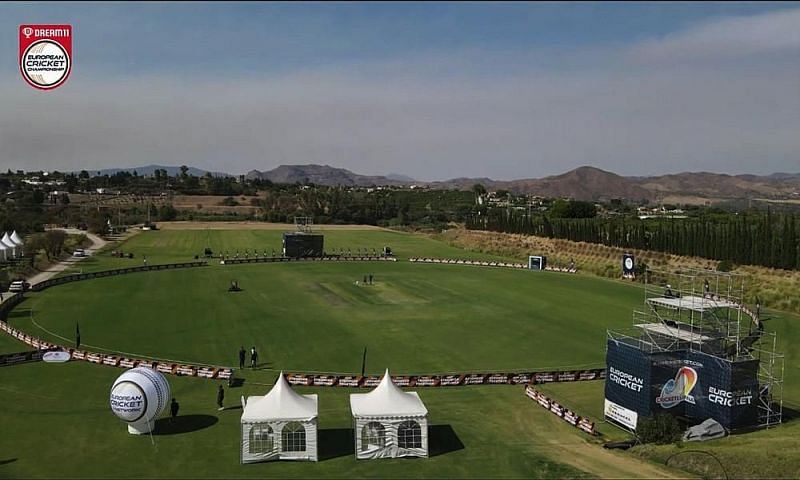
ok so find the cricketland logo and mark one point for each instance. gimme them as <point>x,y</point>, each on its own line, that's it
<point>678,389</point>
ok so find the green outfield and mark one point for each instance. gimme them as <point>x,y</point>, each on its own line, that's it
<point>416,318</point>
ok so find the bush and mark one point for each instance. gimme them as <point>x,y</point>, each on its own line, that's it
<point>725,266</point>
<point>660,429</point>
<point>229,202</point>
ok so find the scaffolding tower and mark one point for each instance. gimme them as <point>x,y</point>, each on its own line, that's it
<point>304,224</point>
<point>706,311</point>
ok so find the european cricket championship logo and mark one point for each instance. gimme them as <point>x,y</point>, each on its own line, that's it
<point>45,55</point>
<point>678,389</point>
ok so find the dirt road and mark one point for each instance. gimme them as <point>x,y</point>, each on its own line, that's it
<point>55,269</point>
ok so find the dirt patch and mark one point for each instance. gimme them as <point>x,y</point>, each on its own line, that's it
<point>603,463</point>
<point>186,225</point>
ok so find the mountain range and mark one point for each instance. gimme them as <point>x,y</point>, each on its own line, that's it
<point>583,183</point>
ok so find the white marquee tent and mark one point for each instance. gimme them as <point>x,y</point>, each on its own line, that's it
<point>17,241</point>
<point>3,251</point>
<point>281,425</point>
<point>6,240</point>
<point>389,422</point>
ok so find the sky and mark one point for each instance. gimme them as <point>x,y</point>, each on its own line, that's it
<point>429,90</point>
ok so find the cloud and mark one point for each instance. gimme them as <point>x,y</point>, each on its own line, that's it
<point>766,33</point>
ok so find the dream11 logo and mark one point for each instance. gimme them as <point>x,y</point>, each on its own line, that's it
<point>45,55</point>
<point>678,389</point>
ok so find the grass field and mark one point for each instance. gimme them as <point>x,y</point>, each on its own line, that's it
<point>182,245</point>
<point>311,316</point>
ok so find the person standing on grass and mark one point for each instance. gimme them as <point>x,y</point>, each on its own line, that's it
<point>77,336</point>
<point>253,357</point>
<point>173,409</point>
<point>242,353</point>
<point>220,397</point>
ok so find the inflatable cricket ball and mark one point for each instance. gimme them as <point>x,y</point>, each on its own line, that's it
<point>138,397</point>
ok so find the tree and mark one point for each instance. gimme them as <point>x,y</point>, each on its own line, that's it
<point>573,209</point>
<point>38,196</point>
<point>184,171</point>
<point>54,243</point>
<point>167,213</point>
<point>478,189</point>
<point>35,243</point>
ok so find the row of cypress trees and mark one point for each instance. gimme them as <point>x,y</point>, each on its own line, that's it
<point>767,239</point>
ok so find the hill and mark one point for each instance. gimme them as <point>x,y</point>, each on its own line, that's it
<point>590,183</point>
<point>323,175</point>
<point>718,185</point>
<point>583,183</point>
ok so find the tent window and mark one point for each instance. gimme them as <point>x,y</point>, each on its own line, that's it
<point>373,435</point>
<point>261,439</point>
<point>293,437</point>
<point>409,435</point>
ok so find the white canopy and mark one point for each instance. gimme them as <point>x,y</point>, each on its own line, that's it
<point>281,403</point>
<point>16,238</point>
<point>281,425</point>
<point>389,423</point>
<point>387,400</point>
<point>6,240</point>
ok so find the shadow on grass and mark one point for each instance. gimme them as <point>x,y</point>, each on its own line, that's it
<point>6,462</point>
<point>18,312</point>
<point>183,424</point>
<point>791,412</point>
<point>336,442</point>
<point>236,382</point>
<point>442,439</point>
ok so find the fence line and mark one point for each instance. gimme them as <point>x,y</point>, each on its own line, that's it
<point>560,411</point>
<point>326,258</point>
<point>76,277</point>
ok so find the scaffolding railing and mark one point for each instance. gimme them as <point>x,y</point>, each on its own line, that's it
<point>704,310</point>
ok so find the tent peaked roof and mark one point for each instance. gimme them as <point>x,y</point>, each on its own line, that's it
<point>281,403</point>
<point>15,238</point>
<point>7,241</point>
<point>387,399</point>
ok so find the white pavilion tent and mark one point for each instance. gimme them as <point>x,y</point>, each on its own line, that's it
<point>6,240</point>
<point>389,422</point>
<point>3,251</point>
<point>281,425</point>
<point>17,240</point>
